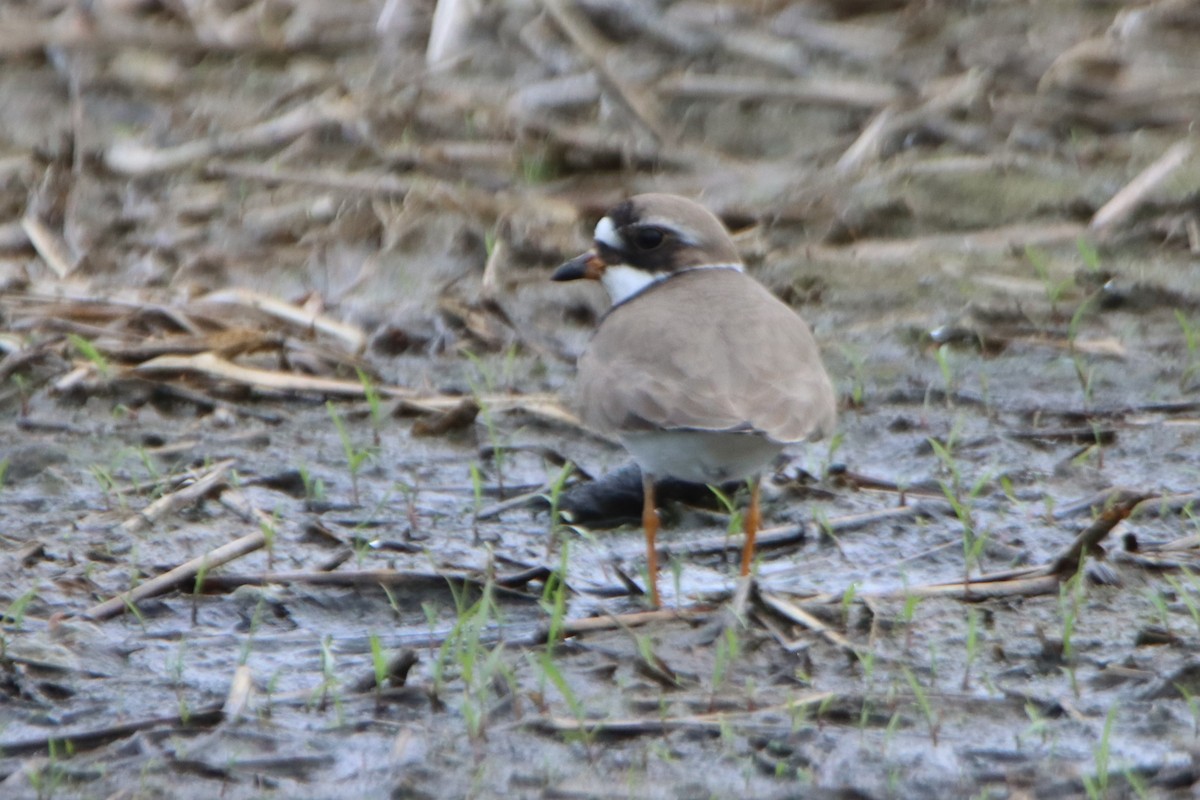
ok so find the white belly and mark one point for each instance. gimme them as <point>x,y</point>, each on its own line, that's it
<point>700,456</point>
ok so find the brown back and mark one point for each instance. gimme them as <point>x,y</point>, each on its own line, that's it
<point>707,349</point>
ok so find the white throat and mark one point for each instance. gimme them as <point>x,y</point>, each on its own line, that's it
<point>623,282</point>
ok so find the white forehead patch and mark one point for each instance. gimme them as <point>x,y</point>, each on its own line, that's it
<point>606,233</point>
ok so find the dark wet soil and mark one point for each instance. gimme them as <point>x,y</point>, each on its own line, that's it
<point>932,186</point>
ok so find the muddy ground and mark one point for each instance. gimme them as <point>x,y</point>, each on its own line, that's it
<point>275,315</point>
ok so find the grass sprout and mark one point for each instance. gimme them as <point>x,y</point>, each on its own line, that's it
<point>356,456</point>
<point>89,351</point>
<point>1096,785</point>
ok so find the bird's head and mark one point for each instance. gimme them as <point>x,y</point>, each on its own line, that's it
<point>648,238</point>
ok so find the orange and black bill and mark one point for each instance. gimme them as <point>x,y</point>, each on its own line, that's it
<point>589,266</point>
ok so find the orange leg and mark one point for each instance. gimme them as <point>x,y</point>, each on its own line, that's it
<point>650,526</point>
<point>753,522</point>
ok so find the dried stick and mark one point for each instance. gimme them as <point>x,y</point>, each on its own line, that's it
<point>374,184</point>
<point>136,158</point>
<point>940,98</point>
<point>790,611</point>
<point>49,245</point>
<point>1125,202</point>
<point>1161,505</point>
<point>1027,581</point>
<point>1105,498</point>
<point>496,509</point>
<point>237,699</point>
<point>1067,562</point>
<point>824,90</point>
<point>656,726</point>
<point>783,536</point>
<point>576,627</point>
<point>206,402</point>
<point>977,589</point>
<point>788,535</point>
<point>882,252</point>
<point>86,740</point>
<point>360,578</point>
<point>595,50</point>
<point>174,577</point>
<point>214,366</point>
<point>447,33</point>
<point>546,406</point>
<point>235,501</point>
<point>351,335</point>
<point>869,144</point>
<point>170,503</point>
<point>108,32</point>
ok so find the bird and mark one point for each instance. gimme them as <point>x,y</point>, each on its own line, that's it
<point>697,369</point>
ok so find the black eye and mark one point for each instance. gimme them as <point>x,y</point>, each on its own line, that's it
<point>648,238</point>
